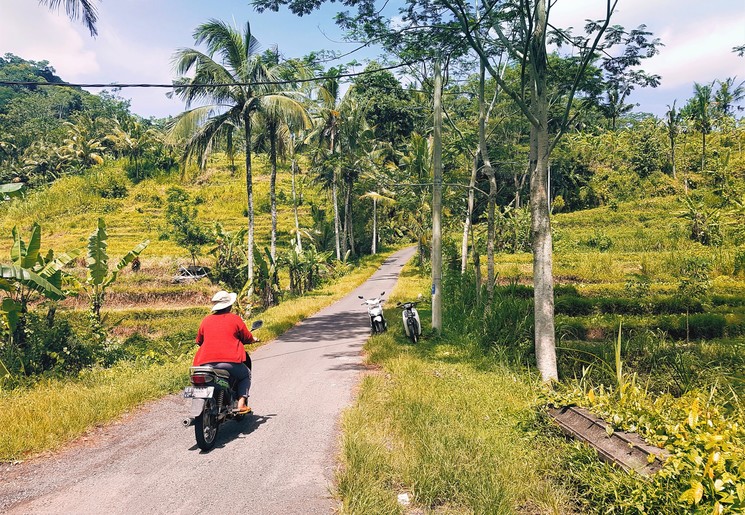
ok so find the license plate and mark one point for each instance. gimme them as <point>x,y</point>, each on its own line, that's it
<point>198,393</point>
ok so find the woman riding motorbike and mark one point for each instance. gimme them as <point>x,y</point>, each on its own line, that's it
<point>221,338</point>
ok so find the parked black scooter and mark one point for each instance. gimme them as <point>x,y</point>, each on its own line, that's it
<point>213,400</point>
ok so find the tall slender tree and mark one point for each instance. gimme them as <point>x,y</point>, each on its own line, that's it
<point>700,110</point>
<point>236,83</point>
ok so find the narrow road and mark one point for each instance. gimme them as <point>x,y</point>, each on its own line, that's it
<point>281,460</point>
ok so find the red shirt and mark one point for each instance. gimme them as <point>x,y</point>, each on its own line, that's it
<point>221,338</point>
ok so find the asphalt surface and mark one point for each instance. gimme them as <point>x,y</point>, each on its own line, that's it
<point>279,460</point>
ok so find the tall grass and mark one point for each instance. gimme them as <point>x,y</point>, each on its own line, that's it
<point>446,424</point>
<point>57,410</point>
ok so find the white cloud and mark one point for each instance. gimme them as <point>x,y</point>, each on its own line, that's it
<point>33,32</point>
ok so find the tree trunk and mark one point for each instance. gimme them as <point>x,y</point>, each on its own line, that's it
<point>337,221</point>
<point>469,212</point>
<point>348,225</point>
<point>489,172</point>
<point>703,151</point>
<point>375,227</point>
<point>437,204</point>
<point>672,155</point>
<point>543,285</point>
<point>335,194</point>
<point>294,204</point>
<point>273,194</point>
<point>250,199</point>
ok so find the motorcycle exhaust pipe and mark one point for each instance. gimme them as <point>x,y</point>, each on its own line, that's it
<point>188,422</point>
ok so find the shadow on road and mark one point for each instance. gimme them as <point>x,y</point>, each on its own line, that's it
<point>232,430</point>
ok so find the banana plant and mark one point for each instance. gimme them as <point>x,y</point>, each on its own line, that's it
<point>29,275</point>
<point>99,275</point>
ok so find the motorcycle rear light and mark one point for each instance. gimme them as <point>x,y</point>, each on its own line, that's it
<point>201,379</point>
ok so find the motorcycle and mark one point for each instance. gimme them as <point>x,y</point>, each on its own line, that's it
<point>412,324</point>
<point>375,311</point>
<point>213,400</point>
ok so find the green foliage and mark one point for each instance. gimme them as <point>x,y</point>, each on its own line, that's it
<point>99,275</point>
<point>504,323</point>
<point>707,442</point>
<point>181,215</point>
<point>600,241</point>
<point>704,222</point>
<point>229,252</point>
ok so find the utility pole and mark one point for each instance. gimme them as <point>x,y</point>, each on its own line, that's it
<point>437,204</point>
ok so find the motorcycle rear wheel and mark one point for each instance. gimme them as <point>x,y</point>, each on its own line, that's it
<point>413,331</point>
<point>206,426</point>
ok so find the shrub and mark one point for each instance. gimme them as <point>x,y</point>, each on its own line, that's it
<point>739,264</point>
<point>566,290</point>
<point>620,306</point>
<point>570,329</point>
<point>706,325</point>
<point>56,348</point>
<point>108,183</point>
<point>674,305</point>
<point>573,306</point>
<point>600,241</point>
<point>700,326</point>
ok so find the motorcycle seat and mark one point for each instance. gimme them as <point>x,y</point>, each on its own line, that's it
<point>207,369</point>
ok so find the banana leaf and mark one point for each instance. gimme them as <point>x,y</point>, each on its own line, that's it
<point>98,260</point>
<point>127,259</point>
<point>31,280</point>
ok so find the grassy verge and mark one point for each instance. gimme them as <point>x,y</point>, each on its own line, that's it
<point>54,411</point>
<point>446,425</point>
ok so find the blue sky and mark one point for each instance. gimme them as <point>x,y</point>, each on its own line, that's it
<point>137,39</point>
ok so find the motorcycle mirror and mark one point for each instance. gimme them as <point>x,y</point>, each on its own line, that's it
<point>257,324</point>
<point>360,297</point>
<point>382,294</point>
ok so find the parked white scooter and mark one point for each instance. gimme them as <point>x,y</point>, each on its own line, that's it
<point>412,324</point>
<point>375,311</point>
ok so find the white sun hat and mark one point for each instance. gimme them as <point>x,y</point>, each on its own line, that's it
<point>223,299</point>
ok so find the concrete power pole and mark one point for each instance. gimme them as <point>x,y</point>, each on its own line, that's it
<point>437,204</point>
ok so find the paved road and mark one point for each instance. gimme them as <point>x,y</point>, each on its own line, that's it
<point>281,460</point>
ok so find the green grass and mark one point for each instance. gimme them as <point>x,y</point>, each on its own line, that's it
<point>446,424</point>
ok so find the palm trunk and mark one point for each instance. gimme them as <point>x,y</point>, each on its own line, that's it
<point>335,195</point>
<point>672,155</point>
<point>348,241</point>
<point>250,196</point>
<point>543,284</point>
<point>273,194</point>
<point>294,205</point>
<point>703,151</point>
<point>375,227</point>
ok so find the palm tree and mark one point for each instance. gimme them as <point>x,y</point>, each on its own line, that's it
<point>672,123</point>
<point>376,197</point>
<point>275,116</point>
<point>326,135</point>
<point>134,143</point>
<point>355,137</point>
<point>699,109</point>
<point>77,9</point>
<point>728,95</point>
<point>236,84</point>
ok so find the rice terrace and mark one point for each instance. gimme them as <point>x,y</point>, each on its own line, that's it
<point>493,254</point>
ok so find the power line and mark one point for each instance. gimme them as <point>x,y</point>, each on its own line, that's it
<point>199,85</point>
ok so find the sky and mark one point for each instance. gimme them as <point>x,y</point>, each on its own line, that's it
<point>137,40</point>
